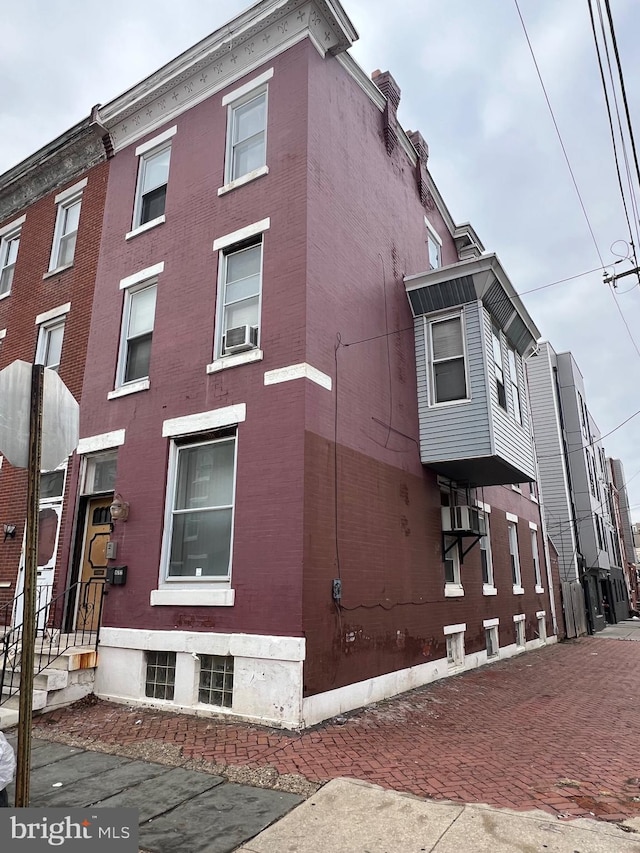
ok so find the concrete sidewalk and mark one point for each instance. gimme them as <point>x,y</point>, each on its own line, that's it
<point>350,816</point>
<point>627,630</point>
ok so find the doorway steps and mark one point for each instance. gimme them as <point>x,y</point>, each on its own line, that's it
<point>57,682</point>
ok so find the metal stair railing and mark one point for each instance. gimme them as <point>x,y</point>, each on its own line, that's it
<point>83,599</point>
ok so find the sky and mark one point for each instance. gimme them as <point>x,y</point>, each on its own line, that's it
<point>470,86</point>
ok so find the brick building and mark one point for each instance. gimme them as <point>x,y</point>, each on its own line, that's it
<point>51,210</point>
<point>304,394</point>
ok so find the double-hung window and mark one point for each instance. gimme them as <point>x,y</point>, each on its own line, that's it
<point>153,177</point>
<point>51,336</point>
<point>449,380</point>
<point>434,246</point>
<point>66,230</point>
<point>50,344</point>
<point>498,366</point>
<point>239,291</point>
<point>246,154</point>
<point>512,526</point>
<point>136,334</point>
<point>516,404</point>
<point>201,499</point>
<point>486,557</point>
<point>536,556</point>
<point>9,245</point>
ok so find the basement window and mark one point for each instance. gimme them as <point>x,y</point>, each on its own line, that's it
<point>216,680</point>
<point>161,675</point>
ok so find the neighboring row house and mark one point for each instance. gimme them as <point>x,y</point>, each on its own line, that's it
<point>577,488</point>
<point>306,440</point>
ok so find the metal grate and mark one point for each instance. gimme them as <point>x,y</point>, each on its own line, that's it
<point>161,675</point>
<point>216,680</point>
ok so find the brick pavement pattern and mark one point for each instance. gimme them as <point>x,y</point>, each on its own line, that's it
<point>557,729</point>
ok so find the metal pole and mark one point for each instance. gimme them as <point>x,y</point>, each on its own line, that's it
<point>30,576</point>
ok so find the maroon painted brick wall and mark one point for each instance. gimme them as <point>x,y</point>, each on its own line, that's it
<point>32,295</point>
<point>267,561</point>
<point>377,525</point>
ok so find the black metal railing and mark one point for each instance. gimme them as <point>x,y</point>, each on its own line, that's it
<point>69,619</point>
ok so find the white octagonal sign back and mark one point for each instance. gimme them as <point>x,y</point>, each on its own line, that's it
<point>60,417</point>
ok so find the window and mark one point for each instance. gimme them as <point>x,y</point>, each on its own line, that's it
<point>8,255</point>
<point>485,555</point>
<point>161,675</point>
<point>533,491</point>
<point>153,175</point>
<point>241,292</point>
<point>100,473</point>
<point>247,135</point>
<point>51,485</point>
<point>498,367</point>
<point>137,332</point>
<point>542,625</point>
<point>201,515</point>
<point>50,344</point>
<point>518,624</point>
<point>451,559</point>
<point>447,359</point>
<point>454,635</point>
<point>536,558</point>
<point>216,680</point>
<point>514,554</point>
<point>491,641</point>
<point>66,232</point>
<point>434,245</point>
<point>515,389</point>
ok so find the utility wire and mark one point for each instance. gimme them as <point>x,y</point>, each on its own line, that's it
<point>562,145</point>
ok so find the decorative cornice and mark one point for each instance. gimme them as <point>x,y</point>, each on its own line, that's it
<point>245,43</point>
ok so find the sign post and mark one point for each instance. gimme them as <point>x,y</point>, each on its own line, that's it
<point>39,420</point>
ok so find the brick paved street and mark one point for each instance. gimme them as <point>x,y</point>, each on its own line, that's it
<point>558,728</point>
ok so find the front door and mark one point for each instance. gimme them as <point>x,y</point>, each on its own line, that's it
<point>93,569</point>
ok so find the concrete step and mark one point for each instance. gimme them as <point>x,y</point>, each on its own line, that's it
<point>70,659</point>
<point>39,701</point>
<point>8,717</point>
<point>49,679</point>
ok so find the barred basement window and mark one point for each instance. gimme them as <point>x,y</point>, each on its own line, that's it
<point>216,680</point>
<point>161,675</point>
<point>491,635</point>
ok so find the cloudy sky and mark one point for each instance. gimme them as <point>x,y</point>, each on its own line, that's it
<point>469,85</point>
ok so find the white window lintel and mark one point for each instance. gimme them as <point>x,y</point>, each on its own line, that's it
<point>202,421</point>
<point>104,441</point>
<point>156,141</point>
<point>490,623</point>
<point>541,613</point>
<point>519,617</point>
<point>454,629</point>
<point>512,517</point>
<point>533,526</point>
<point>53,313</point>
<point>7,229</point>
<point>247,87</point>
<point>70,192</point>
<point>3,333</point>
<point>242,234</point>
<point>142,275</point>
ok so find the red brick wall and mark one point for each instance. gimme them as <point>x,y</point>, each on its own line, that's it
<point>32,295</point>
<point>366,232</point>
<point>267,555</point>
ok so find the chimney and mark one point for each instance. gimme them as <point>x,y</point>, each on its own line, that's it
<point>390,89</point>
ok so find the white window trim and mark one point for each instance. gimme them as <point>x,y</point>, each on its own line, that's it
<point>44,330</point>
<point>64,200</point>
<point>454,629</point>
<point>53,313</point>
<point>519,617</point>
<point>131,285</point>
<point>490,623</point>
<point>231,100</point>
<point>3,334</point>
<point>429,347</point>
<point>431,231</point>
<point>70,192</point>
<point>9,233</point>
<point>157,141</point>
<point>157,145</point>
<point>103,441</point>
<point>452,589</point>
<point>539,589</point>
<point>181,584</point>
<point>258,229</point>
<point>488,588</point>
<point>204,421</point>
<point>516,487</point>
<point>15,225</point>
<point>456,633</point>
<point>242,234</point>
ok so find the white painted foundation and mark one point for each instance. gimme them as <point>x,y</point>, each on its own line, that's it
<point>268,675</point>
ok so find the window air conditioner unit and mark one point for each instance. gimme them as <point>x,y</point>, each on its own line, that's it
<point>241,338</point>
<point>463,519</point>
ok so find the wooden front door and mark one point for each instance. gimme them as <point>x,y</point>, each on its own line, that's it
<point>93,570</point>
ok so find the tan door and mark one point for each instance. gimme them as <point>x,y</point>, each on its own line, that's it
<point>94,563</point>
